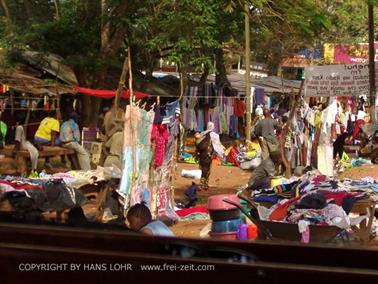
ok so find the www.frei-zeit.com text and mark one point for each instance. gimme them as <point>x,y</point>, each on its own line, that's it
<point>41,267</point>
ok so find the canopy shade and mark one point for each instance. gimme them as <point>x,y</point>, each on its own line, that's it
<point>108,94</point>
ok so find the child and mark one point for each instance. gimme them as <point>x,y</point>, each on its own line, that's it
<point>140,219</point>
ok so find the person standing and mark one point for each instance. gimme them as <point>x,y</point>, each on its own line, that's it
<point>115,145</point>
<point>207,145</point>
<point>70,137</point>
<point>111,117</point>
<point>265,129</point>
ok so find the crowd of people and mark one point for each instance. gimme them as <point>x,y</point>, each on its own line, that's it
<point>314,136</point>
<point>62,131</point>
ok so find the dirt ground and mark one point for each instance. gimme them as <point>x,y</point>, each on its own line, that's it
<point>223,180</point>
<point>226,179</point>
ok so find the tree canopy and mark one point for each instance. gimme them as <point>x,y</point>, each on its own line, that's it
<point>92,35</point>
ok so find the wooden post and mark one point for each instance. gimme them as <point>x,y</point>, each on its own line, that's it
<point>133,134</point>
<point>11,91</point>
<point>121,83</point>
<point>371,63</point>
<point>247,72</point>
<point>293,101</point>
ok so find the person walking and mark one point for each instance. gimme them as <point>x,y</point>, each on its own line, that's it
<point>207,145</point>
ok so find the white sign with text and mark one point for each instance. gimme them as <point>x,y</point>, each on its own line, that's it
<point>337,80</point>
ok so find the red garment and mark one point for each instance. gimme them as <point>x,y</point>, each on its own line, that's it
<point>232,157</point>
<point>338,196</point>
<point>192,210</point>
<point>239,108</point>
<point>281,211</point>
<point>357,126</point>
<point>159,136</point>
<point>21,186</point>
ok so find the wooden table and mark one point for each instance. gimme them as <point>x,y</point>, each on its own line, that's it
<point>21,156</point>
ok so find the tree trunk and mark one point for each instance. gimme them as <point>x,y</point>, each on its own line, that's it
<point>221,73</point>
<point>203,79</point>
<point>28,9</point>
<point>56,4</point>
<point>6,10</point>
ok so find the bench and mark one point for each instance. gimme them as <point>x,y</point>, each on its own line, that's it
<point>22,156</point>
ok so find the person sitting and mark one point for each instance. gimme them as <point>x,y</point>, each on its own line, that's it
<point>22,144</point>
<point>115,145</point>
<point>3,133</point>
<point>47,134</point>
<point>140,219</point>
<point>262,176</point>
<point>70,137</point>
<point>338,145</point>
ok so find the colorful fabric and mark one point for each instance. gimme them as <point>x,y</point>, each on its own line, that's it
<point>193,210</point>
<point>159,137</point>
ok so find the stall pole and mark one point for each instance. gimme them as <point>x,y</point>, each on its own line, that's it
<point>11,91</point>
<point>293,105</point>
<point>133,134</point>
<point>247,72</point>
<point>121,83</point>
<point>371,64</point>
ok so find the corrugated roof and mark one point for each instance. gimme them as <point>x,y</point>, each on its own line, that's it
<point>26,83</point>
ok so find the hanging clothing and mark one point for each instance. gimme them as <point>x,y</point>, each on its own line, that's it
<point>159,137</point>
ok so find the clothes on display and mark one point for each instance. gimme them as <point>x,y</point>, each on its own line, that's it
<point>149,138</point>
<point>217,105</point>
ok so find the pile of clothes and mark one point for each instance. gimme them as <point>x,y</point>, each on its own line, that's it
<point>314,199</point>
<point>27,195</point>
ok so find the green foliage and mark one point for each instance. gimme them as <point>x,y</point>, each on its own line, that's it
<point>187,32</point>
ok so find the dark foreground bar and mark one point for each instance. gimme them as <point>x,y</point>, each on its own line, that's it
<point>49,254</point>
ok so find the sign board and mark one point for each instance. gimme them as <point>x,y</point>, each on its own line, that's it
<point>337,80</point>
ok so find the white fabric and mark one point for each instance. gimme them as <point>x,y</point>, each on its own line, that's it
<point>215,140</point>
<point>217,145</point>
<point>196,174</point>
<point>361,114</point>
<point>328,116</point>
<point>325,159</point>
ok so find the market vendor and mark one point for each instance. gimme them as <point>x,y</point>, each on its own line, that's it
<point>70,137</point>
<point>262,176</point>
<point>22,144</point>
<point>140,219</point>
<point>115,145</point>
<point>48,134</point>
<point>265,129</point>
<point>111,116</point>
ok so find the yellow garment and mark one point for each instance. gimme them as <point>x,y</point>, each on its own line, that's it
<point>318,119</point>
<point>253,145</point>
<point>47,125</point>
